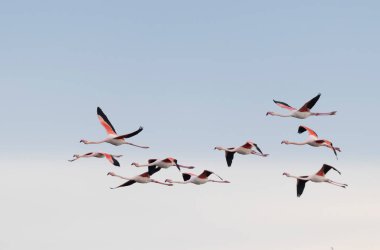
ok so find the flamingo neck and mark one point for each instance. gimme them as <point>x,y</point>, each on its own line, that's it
<point>281,115</point>
<point>297,143</point>
<point>94,142</point>
<point>180,182</point>
<point>224,149</point>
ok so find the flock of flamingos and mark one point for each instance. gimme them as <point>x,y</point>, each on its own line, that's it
<point>154,165</point>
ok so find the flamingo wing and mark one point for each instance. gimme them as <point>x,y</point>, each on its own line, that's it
<point>284,105</point>
<point>112,159</point>
<point>207,173</point>
<point>310,104</point>
<point>301,185</point>
<point>311,132</point>
<point>258,149</point>
<point>326,168</point>
<point>186,176</point>
<point>128,183</point>
<point>105,122</point>
<point>130,134</point>
<point>229,157</point>
<point>153,169</point>
<point>330,145</point>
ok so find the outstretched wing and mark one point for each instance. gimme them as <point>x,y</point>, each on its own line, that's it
<point>153,169</point>
<point>310,104</point>
<point>128,183</point>
<point>186,176</point>
<point>301,186</point>
<point>130,134</point>
<point>105,122</point>
<point>207,173</point>
<point>257,147</point>
<point>311,132</point>
<point>229,157</point>
<point>111,159</point>
<point>284,105</point>
<point>326,168</point>
<point>330,145</point>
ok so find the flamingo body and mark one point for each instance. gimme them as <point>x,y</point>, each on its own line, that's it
<point>163,163</point>
<point>302,113</point>
<point>143,178</point>
<point>317,177</point>
<point>111,158</point>
<point>112,137</point>
<point>313,140</point>
<point>243,150</point>
<point>197,179</point>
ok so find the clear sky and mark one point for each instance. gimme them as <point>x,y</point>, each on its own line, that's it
<point>196,75</point>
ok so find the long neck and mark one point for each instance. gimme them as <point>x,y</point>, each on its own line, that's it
<point>94,142</point>
<point>298,177</point>
<point>144,165</point>
<point>224,149</point>
<point>122,177</point>
<point>180,182</point>
<point>297,143</point>
<point>281,115</point>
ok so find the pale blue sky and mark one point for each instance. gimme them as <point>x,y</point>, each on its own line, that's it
<point>195,75</point>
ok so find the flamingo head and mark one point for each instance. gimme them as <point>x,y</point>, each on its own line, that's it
<point>286,174</point>
<point>75,156</point>
<point>269,113</point>
<point>218,148</point>
<point>285,142</point>
<point>83,141</point>
<point>111,173</point>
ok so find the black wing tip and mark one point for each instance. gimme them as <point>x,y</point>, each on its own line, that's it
<point>116,163</point>
<point>301,129</point>
<point>153,169</point>
<point>186,177</point>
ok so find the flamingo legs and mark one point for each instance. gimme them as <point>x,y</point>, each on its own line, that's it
<point>162,183</point>
<point>337,183</point>
<point>128,143</point>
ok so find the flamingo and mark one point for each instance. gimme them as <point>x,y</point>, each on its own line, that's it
<point>164,163</point>
<point>313,140</point>
<point>197,179</point>
<point>303,112</point>
<point>245,149</point>
<point>112,137</point>
<point>318,177</point>
<point>142,178</point>
<point>109,157</point>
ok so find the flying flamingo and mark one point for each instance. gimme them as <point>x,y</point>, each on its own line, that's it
<point>246,149</point>
<point>197,179</point>
<point>109,157</point>
<point>303,112</point>
<point>142,178</point>
<point>112,137</point>
<point>164,163</point>
<point>318,177</point>
<point>313,140</point>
